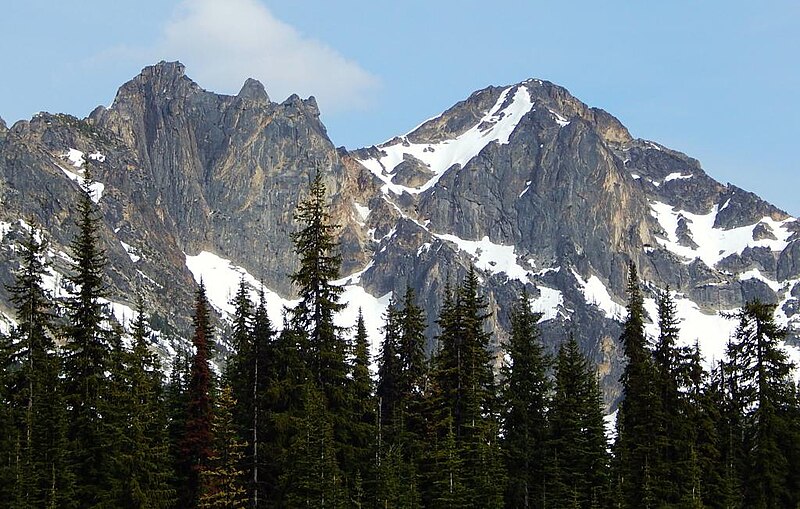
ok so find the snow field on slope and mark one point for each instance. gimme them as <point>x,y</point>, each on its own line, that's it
<point>438,157</point>
<point>714,244</point>
<point>710,331</point>
<point>76,157</point>
<point>491,257</point>
<point>221,279</point>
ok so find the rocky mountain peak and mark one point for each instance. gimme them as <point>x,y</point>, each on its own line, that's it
<point>3,126</point>
<point>253,91</point>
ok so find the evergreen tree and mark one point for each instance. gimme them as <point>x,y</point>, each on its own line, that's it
<point>467,391</point>
<point>264,373</point>
<point>92,353</point>
<point>389,374</point>
<point>176,401</point>
<point>312,477</point>
<point>635,448</point>
<point>196,442</point>
<point>288,378</point>
<point>362,405</point>
<point>673,430</point>
<point>35,401</point>
<point>763,390</point>
<point>525,396</point>
<point>144,466</point>
<point>222,482</point>
<point>577,444</point>
<point>319,297</point>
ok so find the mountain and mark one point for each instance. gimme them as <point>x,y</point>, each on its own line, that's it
<point>525,182</point>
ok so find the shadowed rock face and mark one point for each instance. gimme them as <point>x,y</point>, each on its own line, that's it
<point>186,170</point>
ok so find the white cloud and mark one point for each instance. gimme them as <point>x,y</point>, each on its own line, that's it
<point>224,42</point>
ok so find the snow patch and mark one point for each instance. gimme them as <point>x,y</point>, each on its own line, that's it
<point>547,303</point>
<point>677,176</point>
<point>363,212</point>
<point>714,244</point>
<point>491,257</point>
<point>595,293</point>
<point>563,122</point>
<point>497,125</point>
<point>222,277</point>
<point>132,252</point>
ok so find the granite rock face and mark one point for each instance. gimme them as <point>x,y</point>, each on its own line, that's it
<point>528,184</point>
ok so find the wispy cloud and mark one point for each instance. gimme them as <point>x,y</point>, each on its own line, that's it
<point>224,42</point>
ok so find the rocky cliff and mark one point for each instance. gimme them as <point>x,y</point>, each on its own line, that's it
<point>525,182</point>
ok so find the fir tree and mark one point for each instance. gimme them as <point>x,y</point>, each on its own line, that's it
<point>34,397</point>
<point>319,297</point>
<point>525,395</point>
<point>389,374</point>
<point>362,408</point>
<point>577,444</point>
<point>92,352</point>
<point>467,392</point>
<point>264,371</point>
<point>312,477</point>
<point>222,482</point>
<point>635,450</point>
<point>196,442</point>
<point>763,390</point>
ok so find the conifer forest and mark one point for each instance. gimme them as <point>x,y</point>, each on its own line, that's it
<point>299,414</point>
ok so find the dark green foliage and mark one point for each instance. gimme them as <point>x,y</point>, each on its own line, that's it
<point>92,352</point>
<point>578,458</point>
<point>360,451</point>
<point>464,401</point>
<point>312,477</point>
<point>763,390</point>
<point>319,297</point>
<point>34,412</point>
<point>635,449</point>
<point>143,467</point>
<point>249,372</point>
<point>196,442</point>
<point>222,481</point>
<point>525,396</point>
<point>390,373</point>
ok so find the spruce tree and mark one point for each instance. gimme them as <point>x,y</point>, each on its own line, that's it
<point>144,466</point>
<point>467,392</point>
<point>92,353</point>
<point>635,448</point>
<point>525,395</point>
<point>762,388</point>
<point>577,445</point>
<point>673,431</point>
<point>389,374</point>
<point>264,373</point>
<point>363,430</point>
<point>196,443</point>
<point>223,480</point>
<point>34,401</point>
<point>319,297</point>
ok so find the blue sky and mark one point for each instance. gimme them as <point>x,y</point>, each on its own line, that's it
<point>717,80</point>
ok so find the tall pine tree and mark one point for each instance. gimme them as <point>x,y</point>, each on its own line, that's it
<point>525,395</point>
<point>92,362</point>
<point>635,452</point>
<point>577,445</point>
<point>196,443</point>
<point>34,390</point>
<point>763,390</point>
